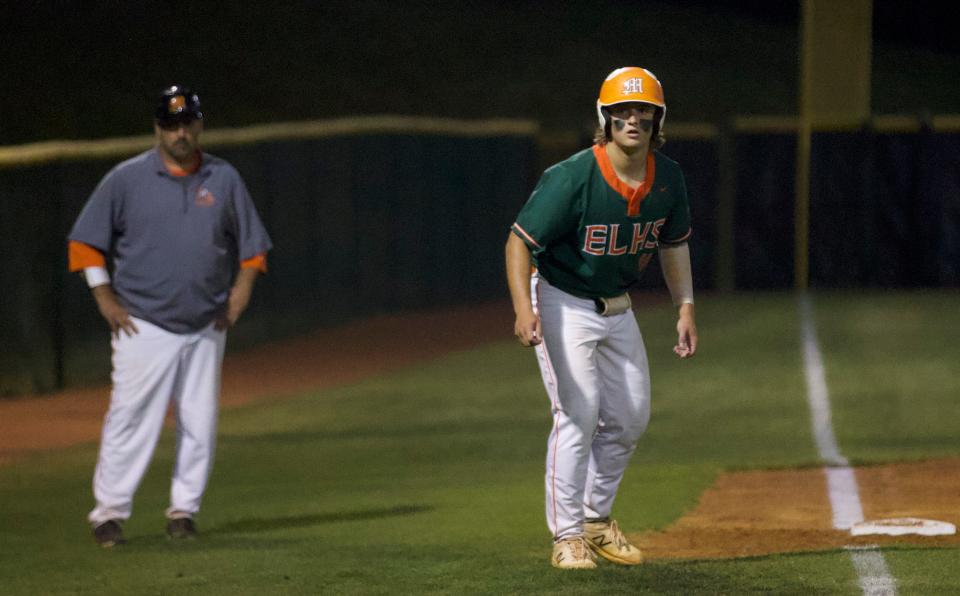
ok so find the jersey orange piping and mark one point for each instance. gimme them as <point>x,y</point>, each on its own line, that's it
<point>680,239</point>
<point>644,261</point>
<point>634,196</point>
<point>525,235</point>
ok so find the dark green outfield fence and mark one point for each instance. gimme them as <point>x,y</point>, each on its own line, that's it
<point>382,218</point>
<point>884,210</point>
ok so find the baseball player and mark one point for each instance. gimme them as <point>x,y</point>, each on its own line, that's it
<point>186,245</point>
<point>590,227</point>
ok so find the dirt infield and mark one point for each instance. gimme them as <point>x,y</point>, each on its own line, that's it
<point>762,512</point>
<point>743,514</point>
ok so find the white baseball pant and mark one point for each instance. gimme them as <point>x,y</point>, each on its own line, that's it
<point>150,368</point>
<point>597,378</point>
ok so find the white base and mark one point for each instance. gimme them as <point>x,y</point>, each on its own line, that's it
<point>903,525</point>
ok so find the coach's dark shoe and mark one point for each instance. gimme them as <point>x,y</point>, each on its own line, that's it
<point>182,527</point>
<point>109,534</point>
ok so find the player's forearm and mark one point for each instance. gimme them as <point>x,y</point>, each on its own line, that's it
<point>245,279</point>
<point>675,263</point>
<point>518,273</point>
<point>104,295</point>
<point>241,291</point>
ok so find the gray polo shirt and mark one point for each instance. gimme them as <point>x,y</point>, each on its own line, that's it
<point>176,242</point>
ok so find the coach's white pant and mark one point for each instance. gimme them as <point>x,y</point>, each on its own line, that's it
<point>149,369</point>
<point>596,375</point>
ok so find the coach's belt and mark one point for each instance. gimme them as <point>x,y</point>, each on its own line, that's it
<point>613,306</point>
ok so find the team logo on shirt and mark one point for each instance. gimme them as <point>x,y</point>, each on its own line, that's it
<point>204,198</point>
<point>606,239</point>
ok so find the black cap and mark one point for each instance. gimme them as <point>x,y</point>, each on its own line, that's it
<point>177,105</point>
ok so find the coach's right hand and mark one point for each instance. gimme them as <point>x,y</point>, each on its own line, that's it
<point>112,311</point>
<point>527,328</point>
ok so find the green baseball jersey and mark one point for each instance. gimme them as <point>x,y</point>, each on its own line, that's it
<point>591,234</point>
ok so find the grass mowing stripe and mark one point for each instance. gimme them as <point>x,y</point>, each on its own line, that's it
<point>873,576</point>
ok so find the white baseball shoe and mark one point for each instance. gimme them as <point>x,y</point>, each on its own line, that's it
<point>606,539</point>
<point>573,553</point>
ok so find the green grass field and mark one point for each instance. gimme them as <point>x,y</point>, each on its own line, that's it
<point>429,481</point>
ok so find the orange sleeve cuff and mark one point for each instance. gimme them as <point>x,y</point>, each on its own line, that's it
<point>258,262</point>
<point>81,256</point>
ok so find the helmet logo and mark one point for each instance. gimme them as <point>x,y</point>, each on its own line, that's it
<point>177,104</point>
<point>633,86</point>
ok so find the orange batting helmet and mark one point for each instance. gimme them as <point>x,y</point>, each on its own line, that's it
<point>628,84</point>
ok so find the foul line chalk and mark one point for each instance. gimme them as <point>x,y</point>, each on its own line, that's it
<point>844,497</point>
<point>872,573</point>
<point>818,397</point>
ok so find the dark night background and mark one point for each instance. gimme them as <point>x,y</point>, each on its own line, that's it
<point>90,69</point>
<point>338,207</point>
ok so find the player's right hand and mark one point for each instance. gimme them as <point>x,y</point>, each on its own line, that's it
<point>119,320</point>
<point>527,329</point>
<point>686,333</point>
<point>113,312</point>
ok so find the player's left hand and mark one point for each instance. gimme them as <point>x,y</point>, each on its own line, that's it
<point>686,333</point>
<point>527,328</point>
